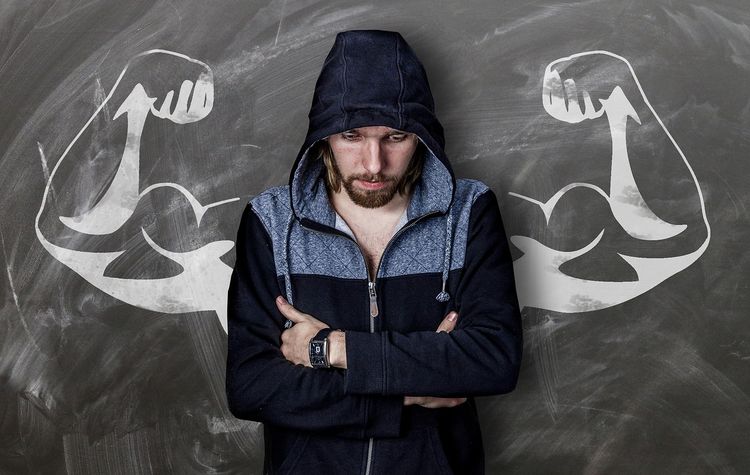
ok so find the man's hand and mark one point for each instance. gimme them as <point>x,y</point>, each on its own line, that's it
<point>295,340</point>
<point>432,402</point>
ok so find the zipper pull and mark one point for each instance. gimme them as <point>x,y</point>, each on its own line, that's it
<point>373,300</point>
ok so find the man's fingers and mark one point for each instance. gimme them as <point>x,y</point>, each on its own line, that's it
<point>431,402</point>
<point>449,322</point>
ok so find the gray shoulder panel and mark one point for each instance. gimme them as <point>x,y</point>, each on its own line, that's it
<point>309,252</point>
<point>272,207</point>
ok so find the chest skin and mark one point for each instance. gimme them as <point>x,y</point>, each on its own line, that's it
<point>373,241</point>
<point>372,248</point>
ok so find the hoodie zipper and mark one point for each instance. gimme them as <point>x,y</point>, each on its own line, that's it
<point>371,285</point>
<point>373,295</point>
<point>374,304</point>
<point>374,307</point>
<point>373,300</point>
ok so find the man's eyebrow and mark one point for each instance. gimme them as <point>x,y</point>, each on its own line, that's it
<point>390,132</point>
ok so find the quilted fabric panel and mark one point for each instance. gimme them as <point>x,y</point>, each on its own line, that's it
<point>421,247</point>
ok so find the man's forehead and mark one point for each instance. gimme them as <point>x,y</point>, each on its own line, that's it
<point>375,130</point>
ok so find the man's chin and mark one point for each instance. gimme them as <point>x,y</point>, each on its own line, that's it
<point>372,198</point>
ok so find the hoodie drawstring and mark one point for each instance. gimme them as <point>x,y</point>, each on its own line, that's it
<point>287,263</point>
<point>444,296</point>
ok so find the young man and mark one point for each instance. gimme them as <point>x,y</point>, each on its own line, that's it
<point>375,245</point>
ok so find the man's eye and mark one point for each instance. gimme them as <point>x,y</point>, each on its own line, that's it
<point>397,137</point>
<point>350,137</point>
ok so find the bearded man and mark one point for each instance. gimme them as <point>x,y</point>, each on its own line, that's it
<point>344,275</point>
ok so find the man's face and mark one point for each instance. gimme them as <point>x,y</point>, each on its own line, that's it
<point>371,162</point>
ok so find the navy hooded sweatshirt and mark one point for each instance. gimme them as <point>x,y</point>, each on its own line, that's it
<point>451,254</point>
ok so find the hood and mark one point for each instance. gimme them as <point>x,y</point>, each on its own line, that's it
<point>371,77</point>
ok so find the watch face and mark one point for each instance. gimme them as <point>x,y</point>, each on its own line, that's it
<point>317,354</point>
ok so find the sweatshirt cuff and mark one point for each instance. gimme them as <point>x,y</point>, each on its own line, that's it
<point>365,363</point>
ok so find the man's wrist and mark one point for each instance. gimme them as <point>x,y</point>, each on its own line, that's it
<point>337,348</point>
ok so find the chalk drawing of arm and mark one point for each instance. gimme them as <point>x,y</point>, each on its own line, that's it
<point>203,282</point>
<point>540,281</point>
<point>122,196</point>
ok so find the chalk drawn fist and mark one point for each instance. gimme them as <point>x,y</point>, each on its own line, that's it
<point>578,87</point>
<point>194,101</point>
<point>170,86</point>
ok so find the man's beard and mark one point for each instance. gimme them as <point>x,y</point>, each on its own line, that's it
<point>369,198</point>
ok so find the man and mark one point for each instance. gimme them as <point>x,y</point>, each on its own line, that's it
<point>373,237</point>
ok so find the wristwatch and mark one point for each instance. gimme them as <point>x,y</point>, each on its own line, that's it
<point>320,349</point>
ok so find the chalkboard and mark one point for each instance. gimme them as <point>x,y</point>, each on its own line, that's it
<point>614,134</point>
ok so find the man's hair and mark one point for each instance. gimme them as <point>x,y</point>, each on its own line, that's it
<point>413,171</point>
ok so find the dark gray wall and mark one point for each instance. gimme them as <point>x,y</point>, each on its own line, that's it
<point>656,383</point>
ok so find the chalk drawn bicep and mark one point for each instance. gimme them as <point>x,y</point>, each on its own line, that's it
<point>577,88</point>
<point>169,86</point>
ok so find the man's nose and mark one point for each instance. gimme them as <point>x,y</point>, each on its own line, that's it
<point>374,157</point>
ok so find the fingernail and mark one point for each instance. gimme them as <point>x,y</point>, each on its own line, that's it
<point>452,317</point>
<point>280,299</point>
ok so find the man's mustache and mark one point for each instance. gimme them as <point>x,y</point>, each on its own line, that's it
<point>372,178</point>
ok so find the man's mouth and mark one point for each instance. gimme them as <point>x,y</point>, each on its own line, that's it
<point>372,185</point>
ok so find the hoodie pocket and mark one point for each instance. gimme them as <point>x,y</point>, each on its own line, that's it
<point>437,449</point>
<point>324,454</point>
<point>413,453</point>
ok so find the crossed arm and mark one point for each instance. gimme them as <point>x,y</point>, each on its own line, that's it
<point>480,356</point>
<point>295,340</point>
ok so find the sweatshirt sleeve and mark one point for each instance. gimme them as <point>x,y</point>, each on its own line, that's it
<point>480,356</point>
<point>261,384</point>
